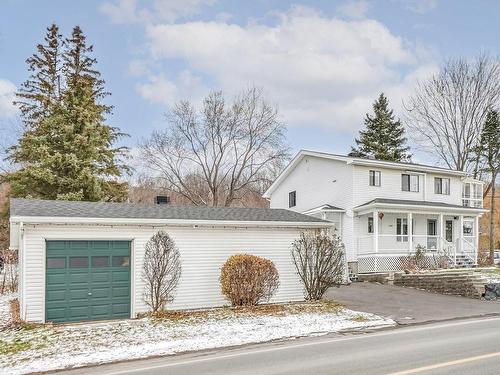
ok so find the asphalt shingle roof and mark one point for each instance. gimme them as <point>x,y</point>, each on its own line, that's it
<point>406,202</point>
<point>107,210</point>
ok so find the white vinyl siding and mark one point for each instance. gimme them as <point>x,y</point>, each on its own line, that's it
<point>203,251</point>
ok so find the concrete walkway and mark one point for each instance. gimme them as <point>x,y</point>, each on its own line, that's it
<point>407,305</point>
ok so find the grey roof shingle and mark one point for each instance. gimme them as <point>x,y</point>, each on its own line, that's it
<point>406,202</point>
<point>107,210</point>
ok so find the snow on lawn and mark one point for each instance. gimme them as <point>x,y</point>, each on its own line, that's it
<point>47,347</point>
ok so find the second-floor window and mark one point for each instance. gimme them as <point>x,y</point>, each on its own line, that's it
<point>292,199</point>
<point>441,185</point>
<point>472,194</point>
<point>409,182</point>
<point>374,178</point>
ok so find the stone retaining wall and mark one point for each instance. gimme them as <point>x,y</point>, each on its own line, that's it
<point>464,284</point>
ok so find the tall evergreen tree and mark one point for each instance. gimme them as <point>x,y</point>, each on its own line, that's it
<point>69,153</point>
<point>383,137</point>
<point>43,88</point>
<point>489,151</point>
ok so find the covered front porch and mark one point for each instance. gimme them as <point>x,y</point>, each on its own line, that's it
<point>388,234</point>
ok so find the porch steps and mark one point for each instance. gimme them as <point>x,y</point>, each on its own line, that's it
<point>464,262</point>
<point>459,283</point>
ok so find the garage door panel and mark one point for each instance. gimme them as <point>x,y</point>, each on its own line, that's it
<point>101,310</point>
<point>103,292</point>
<point>85,286</point>
<point>121,276</point>
<point>79,244</point>
<point>78,294</point>
<point>54,314</point>
<point>121,308</point>
<point>121,291</point>
<point>75,278</point>
<point>100,277</point>
<point>56,295</point>
<point>56,279</point>
<point>78,313</point>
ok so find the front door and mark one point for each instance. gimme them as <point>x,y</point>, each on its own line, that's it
<point>431,234</point>
<point>448,230</point>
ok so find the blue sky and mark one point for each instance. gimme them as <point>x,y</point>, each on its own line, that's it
<point>321,62</point>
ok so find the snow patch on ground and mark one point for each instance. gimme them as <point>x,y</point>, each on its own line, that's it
<point>5,308</point>
<point>49,347</point>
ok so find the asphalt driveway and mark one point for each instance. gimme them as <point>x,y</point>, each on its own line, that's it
<point>407,305</point>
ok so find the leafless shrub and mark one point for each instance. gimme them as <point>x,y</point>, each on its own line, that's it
<point>15,311</point>
<point>421,260</point>
<point>9,274</point>
<point>320,262</point>
<point>247,280</point>
<point>161,271</point>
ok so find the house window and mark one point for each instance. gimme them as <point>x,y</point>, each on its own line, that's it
<point>374,178</point>
<point>409,182</point>
<point>468,228</point>
<point>292,199</point>
<point>401,230</point>
<point>472,194</point>
<point>441,185</point>
<point>370,224</point>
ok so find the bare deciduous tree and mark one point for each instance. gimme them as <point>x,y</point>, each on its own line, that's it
<point>320,262</point>
<point>161,270</point>
<point>215,156</point>
<point>446,113</point>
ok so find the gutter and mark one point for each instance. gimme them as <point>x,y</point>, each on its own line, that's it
<point>421,207</point>
<point>171,222</point>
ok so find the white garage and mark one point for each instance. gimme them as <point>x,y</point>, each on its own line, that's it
<point>83,260</point>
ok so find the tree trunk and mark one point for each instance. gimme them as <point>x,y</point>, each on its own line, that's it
<point>492,219</point>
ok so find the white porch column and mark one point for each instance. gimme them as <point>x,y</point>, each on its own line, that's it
<point>460,236</point>
<point>476,234</point>
<point>375,238</point>
<point>409,220</point>
<point>440,232</point>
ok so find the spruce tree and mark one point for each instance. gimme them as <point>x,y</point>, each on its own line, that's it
<point>43,88</point>
<point>383,138</point>
<point>68,153</point>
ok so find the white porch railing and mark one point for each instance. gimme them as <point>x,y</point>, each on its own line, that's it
<point>404,245</point>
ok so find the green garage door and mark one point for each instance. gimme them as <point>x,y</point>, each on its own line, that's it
<point>87,280</point>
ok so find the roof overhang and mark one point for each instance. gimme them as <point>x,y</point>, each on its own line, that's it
<point>361,162</point>
<point>395,207</point>
<point>43,220</point>
<point>409,167</point>
<point>324,208</point>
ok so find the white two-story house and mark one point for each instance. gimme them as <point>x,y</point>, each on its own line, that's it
<point>384,210</point>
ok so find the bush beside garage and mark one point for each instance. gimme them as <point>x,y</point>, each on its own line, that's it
<point>82,261</point>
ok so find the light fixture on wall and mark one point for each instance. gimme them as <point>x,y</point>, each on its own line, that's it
<point>380,215</point>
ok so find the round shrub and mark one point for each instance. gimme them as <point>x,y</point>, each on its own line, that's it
<point>247,280</point>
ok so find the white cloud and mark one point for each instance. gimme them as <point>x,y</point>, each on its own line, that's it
<point>322,71</point>
<point>354,9</point>
<point>134,11</point>
<point>7,95</point>
<point>159,89</point>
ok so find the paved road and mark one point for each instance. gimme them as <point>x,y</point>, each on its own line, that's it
<point>459,347</point>
<point>407,305</point>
